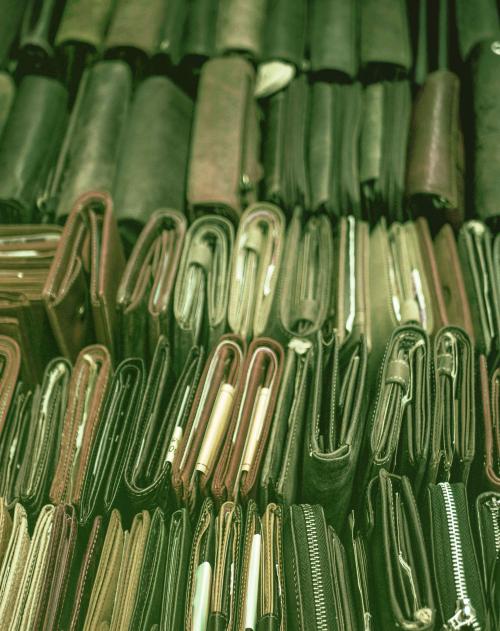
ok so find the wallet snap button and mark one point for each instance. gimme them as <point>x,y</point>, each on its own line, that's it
<point>495,47</point>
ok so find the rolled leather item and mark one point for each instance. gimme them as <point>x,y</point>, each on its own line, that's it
<point>36,41</point>
<point>152,166</point>
<point>476,22</point>
<point>435,169</point>
<point>29,146</point>
<point>12,14</point>
<point>7,94</point>
<point>88,158</point>
<point>485,67</point>
<point>240,26</point>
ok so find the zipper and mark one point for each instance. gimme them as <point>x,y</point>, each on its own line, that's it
<point>494,507</point>
<point>465,614</point>
<point>320,607</point>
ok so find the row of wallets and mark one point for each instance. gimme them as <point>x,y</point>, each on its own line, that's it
<point>310,422</point>
<point>395,566</point>
<point>327,139</point>
<point>71,287</point>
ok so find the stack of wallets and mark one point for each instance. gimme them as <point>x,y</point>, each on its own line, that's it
<point>249,315</point>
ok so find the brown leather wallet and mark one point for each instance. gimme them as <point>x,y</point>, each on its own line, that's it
<point>224,168</point>
<point>88,387</point>
<point>236,474</point>
<point>206,430</point>
<point>10,361</point>
<point>82,283</point>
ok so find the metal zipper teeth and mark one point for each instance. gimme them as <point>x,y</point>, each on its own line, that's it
<point>320,610</point>
<point>465,615</point>
<point>494,508</point>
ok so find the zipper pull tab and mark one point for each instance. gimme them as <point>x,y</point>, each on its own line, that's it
<point>465,616</point>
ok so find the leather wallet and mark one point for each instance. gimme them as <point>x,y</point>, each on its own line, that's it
<point>13,564</point>
<point>87,391</point>
<point>286,180</point>
<point>81,286</point>
<point>152,164</point>
<point>146,292</point>
<point>304,291</point>
<point>280,477</point>
<point>475,249</point>
<point>10,362</point>
<point>32,584</point>
<point>399,288</point>
<point>199,42</point>
<point>399,431</point>
<point>240,26</point>
<point>485,63</point>
<point>7,95</point>
<point>88,158</point>
<point>431,272</point>
<point>103,482</point>
<point>53,600</point>
<point>202,288</point>
<point>134,548</point>
<point>335,425</point>
<point>489,407</point>
<point>26,255</point>
<point>146,613</point>
<point>308,570</point>
<point>261,598</point>
<point>36,38</point>
<point>174,32</point>
<point>45,427</point>
<point>284,41</point>
<point>488,515</point>
<point>402,579</point>
<point>5,531</point>
<point>386,108</point>
<point>29,146</point>
<point>237,471</point>
<point>12,17</point>
<point>13,440</point>
<point>457,576</point>
<point>435,167</point>
<point>86,575</point>
<point>178,554</point>
<point>255,270</point>
<point>117,579</point>
<point>162,417</point>
<point>224,167</point>
<point>454,294</point>
<point>385,37</point>
<point>336,116</point>
<point>101,601</point>
<point>350,311</point>
<point>211,594</point>
<point>333,37</point>
<point>475,24</point>
<point>357,558</point>
<point>135,30</point>
<point>199,443</point>
<point>454,414</point>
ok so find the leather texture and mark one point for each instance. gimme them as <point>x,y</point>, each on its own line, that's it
<point>24,273</point>
<point>336,114</point>
<point>224,167</point>
<point>12,17</point>
<point>333,35</point>
<point>395,538</point>
<point>103,482</point>
<point>89,384</point>
<point>202,288</point>
<point>88,158</point>
<point>435,170</point>
<point>81,286</point>
<point>255,270</point>
<point>162,416</point>
<point>151,172</point>
<point>29,146</point>
<point>486,88</point>
<point>146,292</point>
